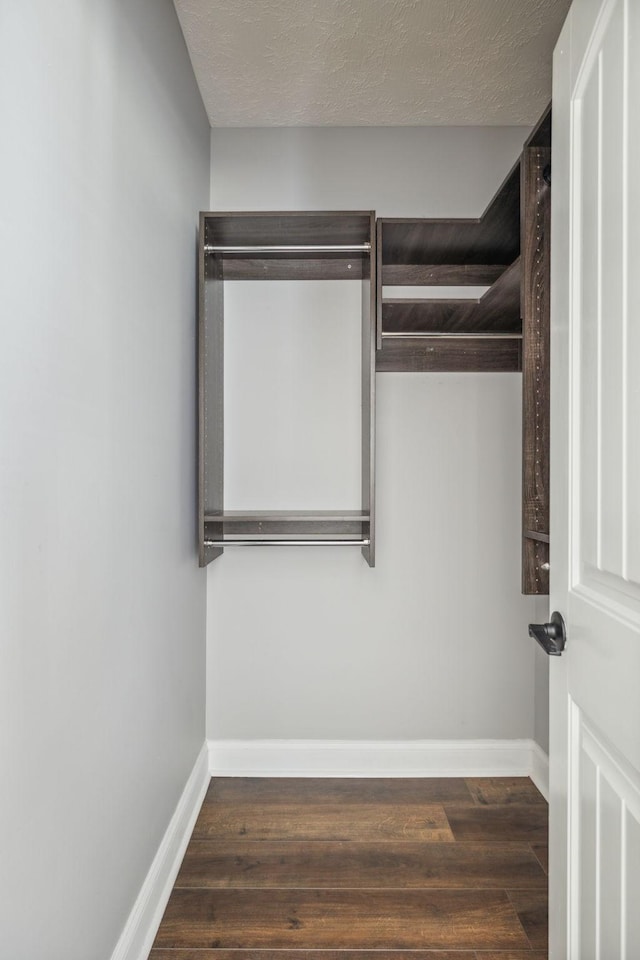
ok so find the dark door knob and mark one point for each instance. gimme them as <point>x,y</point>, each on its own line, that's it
<point>551,636</point>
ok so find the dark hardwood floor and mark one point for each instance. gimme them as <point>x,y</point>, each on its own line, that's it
<point>449,869</point>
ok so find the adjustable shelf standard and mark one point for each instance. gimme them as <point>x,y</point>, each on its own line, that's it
<point>279,246</point>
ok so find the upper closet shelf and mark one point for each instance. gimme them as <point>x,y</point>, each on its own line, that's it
<point>288,246</point>
<point>452,334</point>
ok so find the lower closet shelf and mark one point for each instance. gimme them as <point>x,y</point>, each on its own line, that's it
<point>287,528</point>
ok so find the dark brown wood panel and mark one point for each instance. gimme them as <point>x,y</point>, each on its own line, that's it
<point>536,226</point>
<point>497,311</point>
<point>293,864</point>
<point>531,907</point>
<point>525,822</point>
<point>368,342</point>
<point>422,315</point>
<point>287,228</point>
<point>379,282</point>
<point>448,354</point>
<point>210,396</point>
<point>288,524</point>
<point>490,790</point>
<point>293,268</point>
<point>371,919</point>
<point>353,821</point>
<point>304,790</point>
<point>440,274</point>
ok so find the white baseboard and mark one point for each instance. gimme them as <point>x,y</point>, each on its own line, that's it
<point>385,758</point>
<point>142,925</point>
<point>539,772</point>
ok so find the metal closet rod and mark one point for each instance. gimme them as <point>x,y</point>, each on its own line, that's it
<point>287,543</point>
<point>290,248</point>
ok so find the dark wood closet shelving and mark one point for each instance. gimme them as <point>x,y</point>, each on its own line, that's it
<point>280,246</point>
<point>507,329</point>
<point>433,334</point>
<point>536,280</point>
<point>315,525</point>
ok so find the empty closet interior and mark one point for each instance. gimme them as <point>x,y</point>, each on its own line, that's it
<point>264,247</point>
<point>407,326</point>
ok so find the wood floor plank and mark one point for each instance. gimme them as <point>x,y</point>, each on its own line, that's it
<point>392,920</point>
<point>336,790</point>
<point>510,955</point>
<point>531,907</point>
<point>541,851</point>
<point>291,864</point>
<point>170,954</point>
<point>310,821</point>
<point>489,790</point>
<point>514,821</point>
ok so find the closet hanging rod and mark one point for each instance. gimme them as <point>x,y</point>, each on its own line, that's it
<point>291,248</point>
<point>287,543</point>
<point>409,335</point>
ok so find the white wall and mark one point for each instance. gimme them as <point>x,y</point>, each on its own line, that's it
<point>104,166</point>
<point>432,643</point>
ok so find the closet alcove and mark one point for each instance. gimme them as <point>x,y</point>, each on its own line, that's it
<point>506,329</point>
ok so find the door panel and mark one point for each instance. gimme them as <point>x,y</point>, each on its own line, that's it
<point>607,819</point>
<point>595,484</point>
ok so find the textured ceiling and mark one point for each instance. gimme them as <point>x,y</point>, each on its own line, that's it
<point>372,62</point>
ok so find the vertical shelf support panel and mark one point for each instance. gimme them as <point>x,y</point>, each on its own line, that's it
<point>210,400</point>
<point>370,281</point>
<point>535,226</point>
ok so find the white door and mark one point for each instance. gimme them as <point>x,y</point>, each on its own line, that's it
<point>595,485</point>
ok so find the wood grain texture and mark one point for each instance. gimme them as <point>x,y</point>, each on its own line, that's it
<point>541,851</point>
<point>497,311</point>
<point>515,821</point>
<point>370,919</point>
<point>198,954</point>
<point>292,864</point>
<point>287,227</point>
<point>452,355</point>
<point>489,790</point>
<point>326,524</point>
<point>369,341</point>
<point>315,954</point>
<point>328,267</point>
<point>536,411</point>
<point>374,897</point>
<point>511,955</point>
<point>440,274</point>
<point>531,907</point>
<point>305,790</point>
<point>322,822</point>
